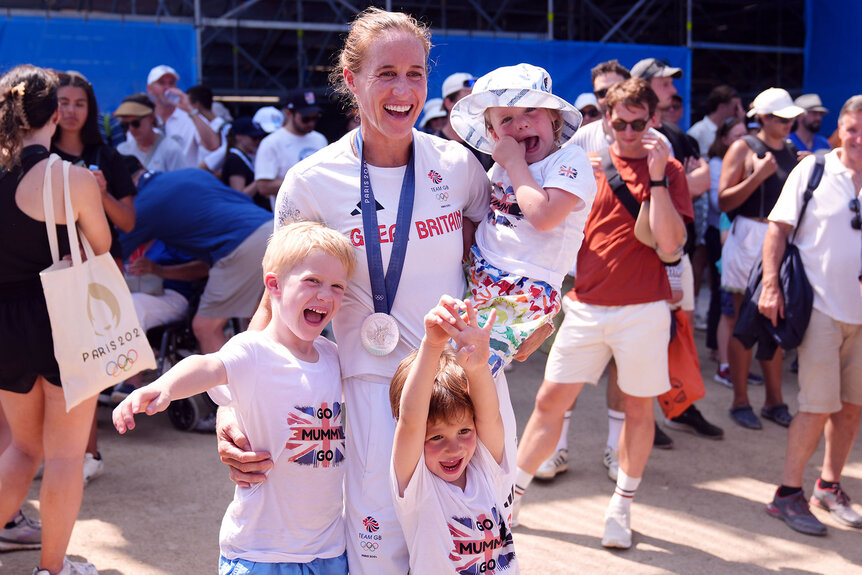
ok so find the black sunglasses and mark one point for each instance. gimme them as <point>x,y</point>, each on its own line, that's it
<point>599,94</point>
<point>133,124</point>
<point>780,119</point>
<point>856,222</point>
<point>310,118</point>
<point>591,112</point>
<point>637,125</point>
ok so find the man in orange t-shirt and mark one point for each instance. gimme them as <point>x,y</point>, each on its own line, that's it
<point>619,305</point>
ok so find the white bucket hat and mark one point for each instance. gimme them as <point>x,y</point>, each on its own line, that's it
<point>433,109</point>
<point>521,86</point>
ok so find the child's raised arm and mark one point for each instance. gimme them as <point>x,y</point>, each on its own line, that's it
<point>416,395</point>
<point>473,350</point>
<point>193,375</point>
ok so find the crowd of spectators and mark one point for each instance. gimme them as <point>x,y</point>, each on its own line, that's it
<point>188,193</point>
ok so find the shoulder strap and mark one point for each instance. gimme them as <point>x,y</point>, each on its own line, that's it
<point>615,181</point>
<point>48,208</point>
<point>755,144</point>
<point>813,181</point>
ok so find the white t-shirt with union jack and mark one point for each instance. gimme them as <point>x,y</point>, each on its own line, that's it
<point>294,410</point>
<point>510,242</point>
<point>452,531</point>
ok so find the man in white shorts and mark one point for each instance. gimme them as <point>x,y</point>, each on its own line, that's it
<point>751,181</point>
<point>830,355</point>
<point>619,306</point>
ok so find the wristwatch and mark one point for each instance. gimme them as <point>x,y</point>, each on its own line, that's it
<point>662,183</point>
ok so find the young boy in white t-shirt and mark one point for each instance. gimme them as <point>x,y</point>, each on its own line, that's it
<point>284,383</point>
<point>448,458</point>
<point>541,196</point>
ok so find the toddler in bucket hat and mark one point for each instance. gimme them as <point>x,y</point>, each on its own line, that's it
<point>541,196</point>
<point>521,86</point>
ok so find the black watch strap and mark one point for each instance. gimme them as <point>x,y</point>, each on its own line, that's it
<point>662,183</point>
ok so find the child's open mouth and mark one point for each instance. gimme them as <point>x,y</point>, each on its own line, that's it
<point>314,316</point>
<point>531,143</point>
<point>398,111</point>
<point>451,466</point>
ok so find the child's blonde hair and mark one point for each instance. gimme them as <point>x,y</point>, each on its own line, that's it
<point>556,122</point>
<point>449,397</point>
<point>291,244</point>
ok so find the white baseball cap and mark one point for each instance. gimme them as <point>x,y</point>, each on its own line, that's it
<point>521,86</point>
<point>586,99</point>
<point>433,109</point>
<point>160,71</point>
<point>269,118</point>
<point>777,102</point>
<point>457,82</point>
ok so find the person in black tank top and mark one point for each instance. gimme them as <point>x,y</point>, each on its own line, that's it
<point>78,140</point>
<point>752,176</point>
<point>29,376</point>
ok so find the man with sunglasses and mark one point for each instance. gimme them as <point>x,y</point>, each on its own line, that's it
<point>830,356</point>
<point>293,142</point>
<point>155,151</point>
<point>619,306</point>
<point>752,175</point>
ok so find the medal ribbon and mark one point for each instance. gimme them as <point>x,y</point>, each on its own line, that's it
<point>384,288</point>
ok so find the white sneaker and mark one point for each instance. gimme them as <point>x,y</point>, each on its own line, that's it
<point>618,532</point>
<point>554,465</point>
<point>93,468</point>
<point>71,568</point>
<point>611,460</point>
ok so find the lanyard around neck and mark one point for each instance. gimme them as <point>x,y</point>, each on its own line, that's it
<point>384,288</point>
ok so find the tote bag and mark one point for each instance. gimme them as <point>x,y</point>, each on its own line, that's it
<point>98,341</point>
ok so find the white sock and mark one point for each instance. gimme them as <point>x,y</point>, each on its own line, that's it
<point>615,427</point>
<point>563,443</point>
<point>522,481</point>
<point>723,366</point>
<point>624,491</point>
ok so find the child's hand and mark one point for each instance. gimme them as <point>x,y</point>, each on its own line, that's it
<point>440,320</point>
<point>474,340</point>
<point>507,150</point>
<point>147,400</point>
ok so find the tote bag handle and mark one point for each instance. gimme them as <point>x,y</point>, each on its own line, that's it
<point>50,220</point>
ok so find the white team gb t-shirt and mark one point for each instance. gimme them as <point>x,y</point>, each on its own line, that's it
<point>510,242</point>
<point>294,410</point>
<point>453,531</point>
<point>450,186</point>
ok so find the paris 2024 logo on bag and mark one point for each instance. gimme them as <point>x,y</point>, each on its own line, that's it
<point>118,351</point>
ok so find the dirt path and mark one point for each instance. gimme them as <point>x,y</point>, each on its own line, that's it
<point>157,509</point>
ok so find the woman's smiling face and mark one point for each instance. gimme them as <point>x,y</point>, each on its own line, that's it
<point>391,86</point>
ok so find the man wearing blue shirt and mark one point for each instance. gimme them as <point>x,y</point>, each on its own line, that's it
<point>805,137</point>
<point>192,211</point>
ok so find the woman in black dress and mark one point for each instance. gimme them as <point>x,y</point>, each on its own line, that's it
<point>30,391</point>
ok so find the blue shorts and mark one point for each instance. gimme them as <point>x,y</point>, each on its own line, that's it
<point>333,566</point>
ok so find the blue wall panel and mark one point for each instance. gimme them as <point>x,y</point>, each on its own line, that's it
<point>114,56</point>
<point>833,63</point>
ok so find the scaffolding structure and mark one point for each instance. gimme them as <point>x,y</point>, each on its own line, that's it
<point>262,47</point>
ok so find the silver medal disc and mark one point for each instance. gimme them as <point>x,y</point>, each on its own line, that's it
<point>379,334</point>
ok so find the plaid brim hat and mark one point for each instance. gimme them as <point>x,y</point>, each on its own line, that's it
<point>521,86</point>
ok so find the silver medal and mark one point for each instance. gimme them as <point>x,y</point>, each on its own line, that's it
<point>379,334</point>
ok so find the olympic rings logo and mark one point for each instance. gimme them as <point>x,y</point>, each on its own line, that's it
<point>442,196</point>
<point>123,364</point>
<point>369,545</point>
